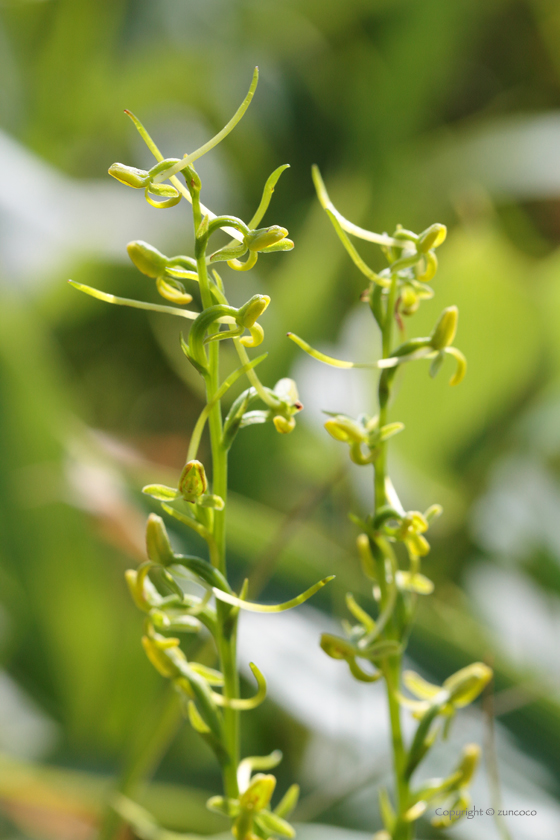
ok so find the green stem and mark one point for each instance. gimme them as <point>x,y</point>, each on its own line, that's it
<point>385,380</point>
<point>227,622</point>
<point>403,830</point>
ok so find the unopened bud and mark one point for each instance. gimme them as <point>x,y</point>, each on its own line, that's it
<point>248,314</point>
<point>157,541</point>
<point>262,238</point>
<point>432,237</point>
<point>192,179</point>
<point>193,482</point>
<point>146,258</point>
<point>469,762</point>
<point>129,175</point>
<point>445,329</point>
<point>409,301</point>
<point>465,685</point>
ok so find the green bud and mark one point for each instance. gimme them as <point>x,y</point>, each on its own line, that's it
<point>193,482</point>
<point>262,238</point>
<point>432,237</point>
<point>409,300</point>
<point>248,314</point>
<point>445,329</point>
<point>469,762</point>
<point>465,685</point>
<point>147,259</point>
<point>129,175</point>
<point>157,542</point>
<point>191,177</point>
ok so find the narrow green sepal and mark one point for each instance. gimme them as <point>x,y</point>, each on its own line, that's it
<point>160,492</point>
<point>203,570</point>
<point>288,802</point>
<point>271,822</point>
<point>272,608</point>
<point>195,720</point>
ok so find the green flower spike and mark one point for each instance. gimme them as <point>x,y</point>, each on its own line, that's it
<point>376,640</point>
<point>209,696</point>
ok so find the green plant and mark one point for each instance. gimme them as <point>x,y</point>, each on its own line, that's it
<point>211,697</point>
<point>393,294</point>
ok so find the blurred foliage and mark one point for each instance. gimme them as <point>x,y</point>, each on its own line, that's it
<point>374,91</point>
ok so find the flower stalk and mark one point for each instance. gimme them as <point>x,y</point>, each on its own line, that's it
<point>392,541</point>
<point>211,698</point>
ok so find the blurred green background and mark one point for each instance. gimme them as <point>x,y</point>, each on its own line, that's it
<point>416,113</point>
